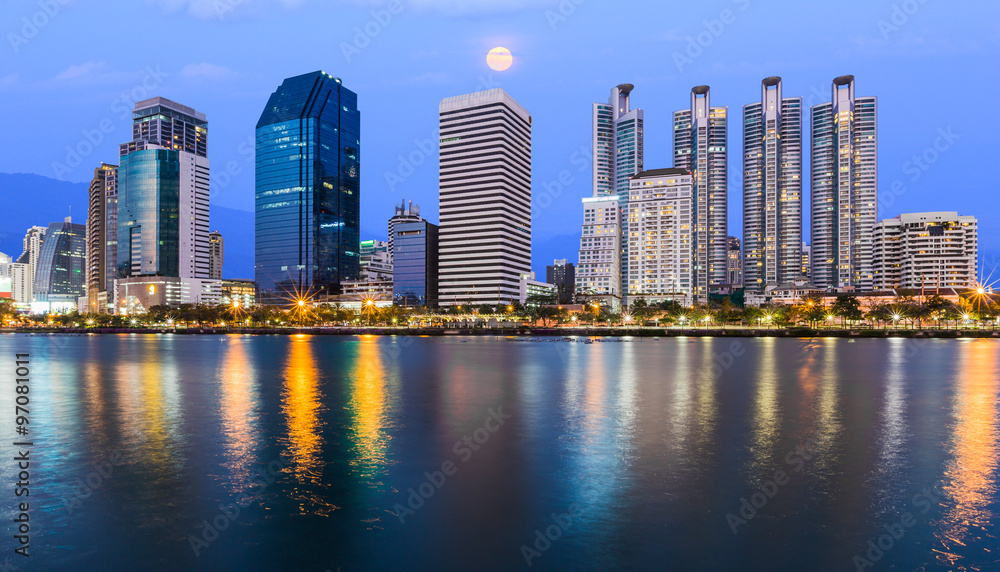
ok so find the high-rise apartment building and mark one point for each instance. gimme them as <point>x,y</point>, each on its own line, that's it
<point>308,168</point>
<point>405,212</point>
<point>772,188</point>
<point>485,198</point>
<point>700,148</point>
<point>599,269</point>
<point>14,280</point>
<point>375,264</point>
<point>60,277</point>
<point>660,215</point>
<point>844,188</point>
<point>216,255</point>
<point>102,240</point>
<point>734,269</point>
<point>33,240</point>
<point>923,251</point>
<point>562,274</point>
<point>617,132</point>
<point>415,264</point>
<point>806,263</point>
<point>163,188</point>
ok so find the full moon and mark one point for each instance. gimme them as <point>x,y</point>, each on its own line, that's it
<point>499,59</point>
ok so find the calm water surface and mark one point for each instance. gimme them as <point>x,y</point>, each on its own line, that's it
<point>441,454</point>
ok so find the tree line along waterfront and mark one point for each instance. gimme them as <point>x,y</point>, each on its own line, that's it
<point>972,311</point>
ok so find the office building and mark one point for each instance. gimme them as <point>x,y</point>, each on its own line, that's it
<point>485,198</point>
<point>16,277</point>
<point>244,292</point>
<point>216,255</point>
<point>598,275</point>
<point>405,212</point>
<point>137,294</point>
<point>163,187</point>
<point>661,218</point>
<point>772,188</point>
<point>61,273</point>
<point>534,293</point>
<point>102,240</point>
<point>734,267</point>
<point>375,261</point>
<point>806,262</point>
<point>563,274</point>
<point>925,251</point>
<point>844,191</point>
<point>307,211</point>
<point>700,148</point>
<point>415,264</point>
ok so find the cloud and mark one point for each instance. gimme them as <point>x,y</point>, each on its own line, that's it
<point>82,70</point>
<point>220,9</point>
<point>12,79</point>
<point>463,8</point>
<point>207,71</point>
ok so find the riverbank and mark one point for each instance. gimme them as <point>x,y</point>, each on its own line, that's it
<point>531,332</point>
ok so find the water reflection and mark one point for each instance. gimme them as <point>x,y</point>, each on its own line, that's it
<point>369,414</point>
<point>238,400</point>
<point>970,479</point>
<point>893,433</point>
<point>301,404</point>
<point>766,410</point>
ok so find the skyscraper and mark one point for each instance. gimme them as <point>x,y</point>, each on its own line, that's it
<point>307,213</point>
<point>163,186</point>
<point>618,154</point>
<point>734,271</point>
<point>60,278</point>
<point>599,269</point>
<point>33,240</point>
<point>700,147</point>
<point>404,213</point>
<point>844,188</point>
<point>485,198</point>
<point>102,240</point>
<point>772,188</point>
<point>415,264</point>
<point>562,274</point>
<point>660,214</point>
<point>216,255</point>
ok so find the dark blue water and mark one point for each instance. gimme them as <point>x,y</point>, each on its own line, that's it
<point>330,453</point>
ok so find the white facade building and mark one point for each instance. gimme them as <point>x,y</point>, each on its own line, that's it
<point>925,251</point>
<point>661,219</point>
<point>484,198</point>
<point>700,148</point>
<point>531,287</point>
<point>844,188</point>
<point>598,274</point>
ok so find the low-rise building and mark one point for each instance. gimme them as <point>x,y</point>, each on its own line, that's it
<point>925,250</point>
<point>137,294</point>
<point>531,287</point>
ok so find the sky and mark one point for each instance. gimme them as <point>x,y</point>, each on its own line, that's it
<point>71,70</point>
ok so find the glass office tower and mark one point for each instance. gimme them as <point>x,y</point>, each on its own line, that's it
<point>307,188</point>
<point>62,263</point>
<point>149,213</point>
<point>415,264</point>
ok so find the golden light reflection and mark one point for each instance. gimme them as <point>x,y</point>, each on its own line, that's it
<point>300,404</point>
<point>766,410</point>
<point>368,405</point>
<point>238,404</point>
<point>828,422</point>
<point>970,479</point>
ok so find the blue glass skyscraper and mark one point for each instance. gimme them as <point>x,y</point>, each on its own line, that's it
<point>307,187</point>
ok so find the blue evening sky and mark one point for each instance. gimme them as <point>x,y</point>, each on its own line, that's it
<point>933,64</point>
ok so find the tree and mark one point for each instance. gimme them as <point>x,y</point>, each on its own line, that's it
<point>848,307</point>
<point>641,311</point>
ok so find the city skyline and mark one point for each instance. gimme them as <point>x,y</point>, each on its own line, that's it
<point>231,87</point>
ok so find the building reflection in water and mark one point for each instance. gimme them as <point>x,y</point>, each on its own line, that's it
<point>239,406</point>
<point>828,416</point>
<point>300,403</point>
<point>970,478</point>
<point>893,432</point>
<point>766,410</point>
<point>369,409</point>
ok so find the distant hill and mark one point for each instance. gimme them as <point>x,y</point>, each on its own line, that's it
<point>33,200</point>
